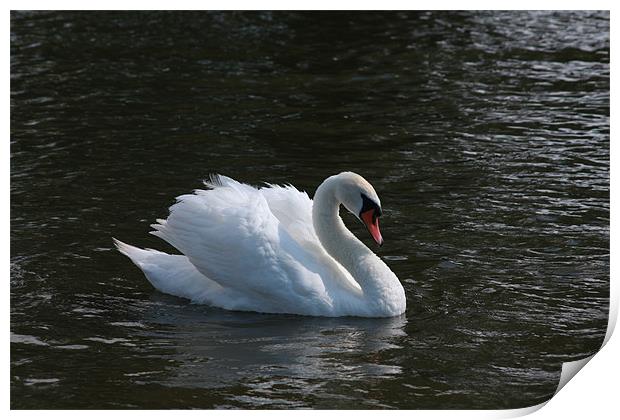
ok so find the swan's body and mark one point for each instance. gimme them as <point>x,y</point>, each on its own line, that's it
<point>274,250</point>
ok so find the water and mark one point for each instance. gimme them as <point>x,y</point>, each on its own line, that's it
<point>486,135</point>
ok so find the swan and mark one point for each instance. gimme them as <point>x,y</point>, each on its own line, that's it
<point>274,250</point>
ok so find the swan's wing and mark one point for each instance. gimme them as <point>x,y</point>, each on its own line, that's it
<point>293,208</point>
<point>230,235</point>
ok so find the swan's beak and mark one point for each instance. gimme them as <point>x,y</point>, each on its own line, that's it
<point>372,224</point>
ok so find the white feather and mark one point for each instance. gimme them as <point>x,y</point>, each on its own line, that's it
<point>248,249</point>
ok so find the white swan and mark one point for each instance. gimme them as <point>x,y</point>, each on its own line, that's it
<point>274,250</point>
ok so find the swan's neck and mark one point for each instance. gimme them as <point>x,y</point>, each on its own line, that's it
<point>379,284</point>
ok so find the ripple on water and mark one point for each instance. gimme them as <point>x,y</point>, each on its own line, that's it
<point>27,339</point>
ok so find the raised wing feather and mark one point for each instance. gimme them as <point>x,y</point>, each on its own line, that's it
<point>293,209</point>
<point>230,234</point>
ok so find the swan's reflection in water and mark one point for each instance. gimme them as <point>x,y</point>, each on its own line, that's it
<point>208,347</point>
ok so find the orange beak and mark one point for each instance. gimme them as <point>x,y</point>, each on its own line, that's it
<point>372,224</point>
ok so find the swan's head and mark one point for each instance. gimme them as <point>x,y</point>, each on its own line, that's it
<point>360,198</point>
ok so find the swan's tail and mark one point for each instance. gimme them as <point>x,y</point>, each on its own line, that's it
<point>172,274</point>
<point>139,256</point>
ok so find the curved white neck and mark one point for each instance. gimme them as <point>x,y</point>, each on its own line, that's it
<point>377,281</point>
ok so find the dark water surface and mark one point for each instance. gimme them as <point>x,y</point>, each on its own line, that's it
<point>486,136</point>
